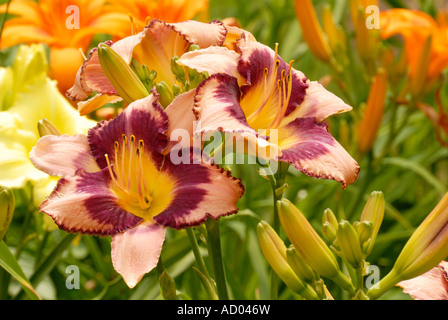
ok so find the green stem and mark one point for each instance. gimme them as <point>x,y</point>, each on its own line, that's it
<point>385,284</point>
<point>215,254</point>
<point>203,273</point>
<point>196,252</point>
<point>277,183</point>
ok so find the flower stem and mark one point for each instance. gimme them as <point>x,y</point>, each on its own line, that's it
<point>202,269</point>
<point>215,254</point>
<point>277,183</point>
<point>196,252</point>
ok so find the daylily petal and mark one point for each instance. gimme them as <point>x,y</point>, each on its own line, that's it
<point>28,12</point>
<point>200,191</point>
<point>202,34</point>
<point>217,105</point>
<point>181,117</point>
<point>137,251</point>
<point>16,34</point>
<point>308,146</point>
<point>97,101</point>
<point>63,155</point>
<point>233,34</point>
<point>318,103</point>
<point>84,203</point>
<point>432,285</point>
<point>144,119</point>
<point>213,60</point>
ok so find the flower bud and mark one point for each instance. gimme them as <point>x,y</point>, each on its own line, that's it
<point>427,246</point>
<point>165,92</point>
<point>300,267</point>
<point>46,127</point>
<point>364,231</point>
<point>374,212</point>
<point>419,76</point>
<point>7,206</point>
<point>309,244</point>
<point>125,81</point>
<point>348,241</point>
<point>167,286</point>
<point>274,251</point>
<point>311,30</point>
<point>373,112</point>
<point>329,225</point>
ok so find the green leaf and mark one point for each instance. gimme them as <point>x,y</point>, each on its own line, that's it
<point>418,169</point>
<point>9,263</point>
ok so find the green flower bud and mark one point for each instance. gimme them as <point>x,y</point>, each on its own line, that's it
<point>165,92</point>
<point>300,267</point>
<point>348,241</point>
<point>7,206</point>
<point>46,127</point>
<point>309,244</point>
<point>374,212</point>
<point>274,250</point>
<point>125,81</point>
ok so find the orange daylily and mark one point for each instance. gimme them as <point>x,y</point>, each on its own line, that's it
<point>54,22</point>
<point>426,41</point>
<point>167,10</point>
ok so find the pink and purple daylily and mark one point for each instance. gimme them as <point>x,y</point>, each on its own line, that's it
<point>255,90</point>
<point>117,182</point>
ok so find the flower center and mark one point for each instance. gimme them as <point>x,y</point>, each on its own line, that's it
<point>127,174</point>
<point>275,95</point>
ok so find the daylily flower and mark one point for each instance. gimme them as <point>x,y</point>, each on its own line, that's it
<point>150,52</point>
<point>426,43</point>
<point>50,22</point>
<point>256,91</point>
<point>432,285</point>
<point>27,95</point>
<point>166,10</point>
<point>116,182</point>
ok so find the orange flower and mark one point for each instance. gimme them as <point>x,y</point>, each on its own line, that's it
<point>55,23</point>
<point>167,10</point>
<point>421,33</point>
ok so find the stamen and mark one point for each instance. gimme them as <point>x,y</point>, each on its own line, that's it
<point>117,171</point>
<point>131,18</point>
<point>131,153</point>
<point>109,166</point>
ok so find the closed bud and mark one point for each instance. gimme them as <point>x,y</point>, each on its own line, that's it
<point>330,217</point>
<point>309,244</point>
<point>300,267</point>
<point>373,112</point>
<point>419,76</point>
<point>46,127</point>
<point>329,232</point>
<point>165,92</point>
<point>125,81</point>
<point>373,212</point>
<point>311,30</point>
<point>348,241</point>
<point>7,206</point>
<point>167,286</point>
<point>425,249</point>
<point>274,250</point>
<point>364,231</point>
